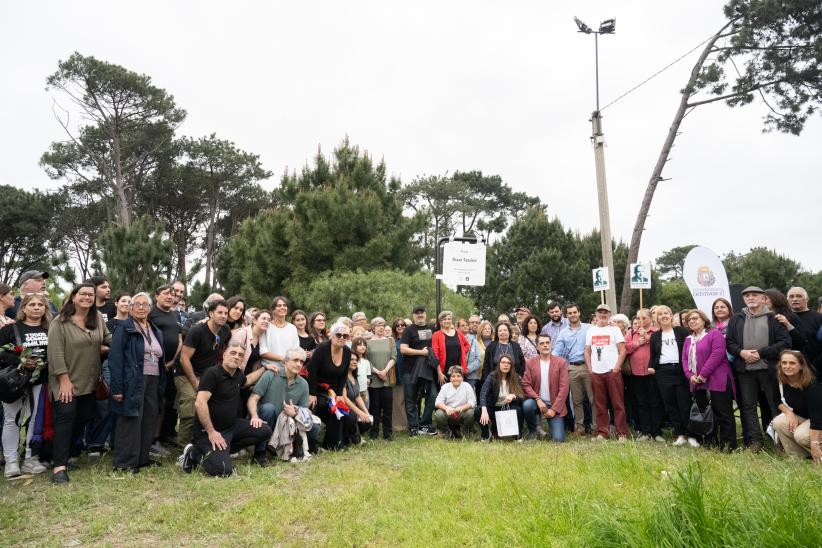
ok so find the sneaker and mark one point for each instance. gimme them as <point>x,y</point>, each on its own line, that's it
<point>456,434</point>
<point>659,439</point>
<point>94,452</point>
<point>413,433</point>
<point>579,431</point>
<point>643,437</point>
<point>32,466</point>
<point>755,447</point>
<point>12,469</point>
<point>680,441</point>
<point>483,439</point>
<point>184,461</point>
<point>60,477</point>
<point>427,431</point>
<point>692,442</point>
<point>157,450</point>
<point>541,433</point>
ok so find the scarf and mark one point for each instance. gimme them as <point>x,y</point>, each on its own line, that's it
<point>692,350</point>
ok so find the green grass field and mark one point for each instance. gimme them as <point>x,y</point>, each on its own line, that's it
<point>436,492</point>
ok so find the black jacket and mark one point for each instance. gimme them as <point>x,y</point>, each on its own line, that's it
<point>655,343</point>
<point>489,394</point>
<point>778,340</point>
<point>488,364</point>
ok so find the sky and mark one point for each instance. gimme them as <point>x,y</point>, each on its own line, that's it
<point>506,88</point>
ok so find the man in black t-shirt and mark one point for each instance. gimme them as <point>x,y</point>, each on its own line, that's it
<point>98,431</point>
<point>218,431</point>
<point>202,348</point>
<point>165,318</point>
<point>418,380</point>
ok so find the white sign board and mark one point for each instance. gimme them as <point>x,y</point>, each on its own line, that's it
<point>601,278</point>
<point>463,264</point>
<point>640,275</point>
<point>706,278</point>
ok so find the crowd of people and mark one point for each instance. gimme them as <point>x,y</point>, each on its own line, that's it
<point>144,377</point>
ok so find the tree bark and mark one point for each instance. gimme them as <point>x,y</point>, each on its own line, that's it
<point>656,174</point>
<point>121,202</point>
<point>212,222</point>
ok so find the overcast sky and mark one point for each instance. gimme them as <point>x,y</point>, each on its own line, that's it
<point>502,87</point>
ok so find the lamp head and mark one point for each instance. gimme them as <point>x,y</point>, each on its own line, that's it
<point>582,26</point>
<point>608,26</point>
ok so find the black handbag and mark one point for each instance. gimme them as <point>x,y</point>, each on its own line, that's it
<point>701,421</point>
<point>14,381</point>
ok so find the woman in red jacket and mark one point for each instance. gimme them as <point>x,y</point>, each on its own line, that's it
<point>449,345</point>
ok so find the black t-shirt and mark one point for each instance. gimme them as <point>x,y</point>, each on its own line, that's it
<point>417,337</point>
<point>307,343</point>
<point>806,403</point>
<point>453,351</point>
<point>225,397</point>
<point>108,311</point>
<point>322,370</point>
<point>34,337</point>
<point>166,322</point>
<point>207,349</point>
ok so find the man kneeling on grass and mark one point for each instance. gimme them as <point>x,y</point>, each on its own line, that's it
<point>217,430</point>
<point>455,405</point>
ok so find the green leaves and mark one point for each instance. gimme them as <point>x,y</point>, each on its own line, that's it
<point>137,257</point>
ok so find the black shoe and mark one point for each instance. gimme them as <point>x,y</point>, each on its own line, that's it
<point>427,431</point>
<point>413,433</point>
<point>184,461</point>
<point>131,469</point>
<point>456,433</point>
<point>388,437</point>
<point>260,459</point>
<point>60,477</point>
<point>151,464</point>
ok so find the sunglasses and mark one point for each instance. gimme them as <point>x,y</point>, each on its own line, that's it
<point>344,336</point>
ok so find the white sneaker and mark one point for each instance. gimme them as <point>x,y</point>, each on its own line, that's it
<point>643,437</point>
<point>660,439</point>
<point>600,437</point>
<point>32,466</point>
<point>680,441</point>
<point>692,442</point>
<point>12,469</point>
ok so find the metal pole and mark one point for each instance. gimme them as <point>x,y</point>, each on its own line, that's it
<point>596,64</point>
<point>598,140</point>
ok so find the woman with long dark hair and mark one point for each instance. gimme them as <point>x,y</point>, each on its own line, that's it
<point>77,338</point>
<point>399,421</point>
<point>307,340</point>
<point>799,426</point>
<point>528,338</point>
<point>501,345</point>
<point>236,313</point>
<point>777,303</point>
<point>502,388</point>
<point>316,327</point>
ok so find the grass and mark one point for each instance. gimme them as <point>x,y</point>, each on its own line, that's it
<point>433,492</point>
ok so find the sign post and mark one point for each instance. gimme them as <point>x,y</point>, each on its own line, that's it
<point>462,263</point>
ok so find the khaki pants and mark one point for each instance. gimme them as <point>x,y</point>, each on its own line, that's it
<point>796,443</point>
<point>185,409</point>
<point>398,419</point>
<point>580,381</point>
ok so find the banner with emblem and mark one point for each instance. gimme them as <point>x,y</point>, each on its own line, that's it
<point>706,278</point>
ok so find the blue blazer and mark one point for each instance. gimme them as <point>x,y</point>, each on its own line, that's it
<point>125,363</point>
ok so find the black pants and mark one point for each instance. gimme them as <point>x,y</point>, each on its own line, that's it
<point>353,429</point>
<point>70,420</point>
<point>133,435</point>
<point>381,405</point>
<point>485,429</point>
<point>722,404</point>
<point>168,426</point>
<point>751,383</point>
<point>333,437</point>
<point>646,397</point>
<point>240,435</point>
<point>675,395</point>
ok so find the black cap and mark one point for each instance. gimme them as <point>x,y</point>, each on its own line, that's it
<point>418,308</point>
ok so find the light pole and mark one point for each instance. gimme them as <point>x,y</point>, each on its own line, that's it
<point>598,140</point>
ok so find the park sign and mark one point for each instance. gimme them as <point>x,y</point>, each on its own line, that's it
<point>706,278</point>
<point>601,278</point>
<point>640,275</point>
<point>463,263</point>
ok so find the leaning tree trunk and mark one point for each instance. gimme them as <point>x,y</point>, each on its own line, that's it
<point>656,175</point>
<point>120,199</point>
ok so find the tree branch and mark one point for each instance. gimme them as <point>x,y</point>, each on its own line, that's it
<point>732,95</point>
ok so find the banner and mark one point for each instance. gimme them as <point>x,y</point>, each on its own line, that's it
<point>601,279</point>
<point>706,278</point>
<point>640,275</point>
<point>463,264</point>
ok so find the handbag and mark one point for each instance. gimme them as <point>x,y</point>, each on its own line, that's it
<point>101,392</point>
<point>701,422</point>
<point>14,380</point>
<point>506,422</point>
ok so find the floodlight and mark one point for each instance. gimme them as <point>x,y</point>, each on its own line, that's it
<point>608,26</point>
<point>582,26</point>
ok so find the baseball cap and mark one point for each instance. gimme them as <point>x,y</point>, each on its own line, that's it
<point>604,307</point>
<point>30,275</point>
<point>418,308</point>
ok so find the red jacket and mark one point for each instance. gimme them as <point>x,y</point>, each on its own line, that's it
<point>438,344</point>
<point>557,380</point>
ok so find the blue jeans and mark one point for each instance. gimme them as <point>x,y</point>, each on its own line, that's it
<point>266,413</point>
<point>532,415</point>
<point>99,429</point>
<point>414,393</point>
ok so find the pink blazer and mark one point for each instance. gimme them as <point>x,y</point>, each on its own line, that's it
<point>557,380</point>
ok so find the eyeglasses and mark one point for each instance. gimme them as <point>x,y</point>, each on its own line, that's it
<point>319,319</point>
<point>345,336</point>
<point>139,305</point>
<point>88,295</point>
